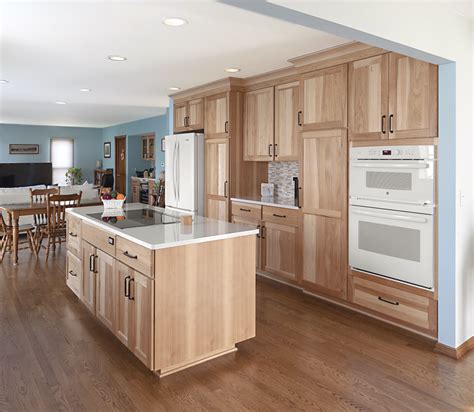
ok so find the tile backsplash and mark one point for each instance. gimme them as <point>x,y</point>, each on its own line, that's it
<point>281,174</point>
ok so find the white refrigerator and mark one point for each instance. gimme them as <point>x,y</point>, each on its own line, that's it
<point>184,172</point>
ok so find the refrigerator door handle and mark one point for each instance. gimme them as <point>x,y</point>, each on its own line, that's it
<point>178,168</point>
<point>174,170</point>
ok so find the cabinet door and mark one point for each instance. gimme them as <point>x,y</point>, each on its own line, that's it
<point>254,224</point>
<point>259,125</point>
<point>368,98</point>
<point>324,181</point>
<point>281,249</point>
<point>141,294</point>
<point>151,148</point>
<point>217,180</point>
<point>105,289</point>
<point>135,192</point>
<point>413,98</point>
<point>124,306</point>
<point>323,254</point>
<point>217,116</point>
<point>323,98</point>
<point>195,114</point>
<point>74,273</point>
<point>179,117</point>
<point>286,122</point>
<point>145,148</point>
<point>88,276</point>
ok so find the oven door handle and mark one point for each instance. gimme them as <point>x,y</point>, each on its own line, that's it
<point>384,200</point>
<point>392,217</point>
<point>384,165</point>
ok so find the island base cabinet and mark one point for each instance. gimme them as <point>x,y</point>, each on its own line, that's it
<point>73,273</point>
<point>88,276</point>
<point>105,289</point>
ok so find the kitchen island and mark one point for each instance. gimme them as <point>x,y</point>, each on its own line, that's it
<point>175,294</point>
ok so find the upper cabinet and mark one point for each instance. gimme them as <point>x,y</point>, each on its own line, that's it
<point>148,147</point>
<point>259,125</point>
<point>392,97</point>
<point>188,115</point>
<point>286,121</point>
<point>217,116</point>
<point>323,99</point>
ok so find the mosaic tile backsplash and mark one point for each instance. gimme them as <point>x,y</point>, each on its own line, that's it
<point>281,175</point>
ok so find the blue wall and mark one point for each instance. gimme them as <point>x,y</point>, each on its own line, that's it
<point>133,131</point>
<point>87,141</point>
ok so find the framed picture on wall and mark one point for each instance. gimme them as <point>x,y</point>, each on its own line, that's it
<point>22,149</point>
<point>107,150</point>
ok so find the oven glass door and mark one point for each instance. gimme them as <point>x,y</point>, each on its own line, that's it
<point>404,181</point>
<point>394,244</point>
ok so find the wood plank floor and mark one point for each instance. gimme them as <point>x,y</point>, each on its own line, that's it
<point>308,355</point>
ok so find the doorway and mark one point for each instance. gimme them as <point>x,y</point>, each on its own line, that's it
<point>120,164</point>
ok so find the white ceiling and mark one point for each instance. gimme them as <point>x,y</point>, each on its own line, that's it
<point>49,50</point>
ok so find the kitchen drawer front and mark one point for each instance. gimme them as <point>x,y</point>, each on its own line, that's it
<point>416,310</point>
<point>74,273</point>
<point>99,238</point>
<point>246,210</point>
<point>281,215</point>
<point>137,257</point>
<point>73,235</point>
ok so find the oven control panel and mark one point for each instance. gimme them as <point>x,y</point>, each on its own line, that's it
<point>393,152</point>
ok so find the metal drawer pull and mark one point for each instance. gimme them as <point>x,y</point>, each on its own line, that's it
<point>245,210</point>
<point>72,234</point>
<point>72,273</point>
<point>129,255</point>
<point>282,216</point>
<point>388,301</point>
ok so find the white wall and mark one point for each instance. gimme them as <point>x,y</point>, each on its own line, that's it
<point>435,32</point>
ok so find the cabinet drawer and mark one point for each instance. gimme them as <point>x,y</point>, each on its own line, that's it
<point>416,310</point>
<point>138,257</point>
<point>99,238</point>
<point>246,210</point>
<point>73,235</point>
<point>281,216</point>
<point>74,273</point>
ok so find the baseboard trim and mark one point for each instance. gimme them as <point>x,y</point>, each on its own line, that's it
<point>455,353</point>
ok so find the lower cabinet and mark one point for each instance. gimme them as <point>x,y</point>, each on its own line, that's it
<point>257,224</point>
<point>88,275</point>
<point>105,289</point>
<point>74,273</point>
<point>281,249</point>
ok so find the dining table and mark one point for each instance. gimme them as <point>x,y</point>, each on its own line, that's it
<point>16,210</point>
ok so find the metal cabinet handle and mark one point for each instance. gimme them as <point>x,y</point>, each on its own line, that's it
<point>225,188</point>
<point>264,230</point>
<point>72,273</point>
<point>72,234</point>
<point>111,241</point>
<point>226,126</point>
<point>390,121</point>
<point>126,290</point>
<point>129,255</point>
<point>130,289</point>
<point>299,118</point>
<point>91,263</point>
<point>275,150</point>
<point>245,210</point>
<point>94,263</point>
<point>270,150</point>
<point>282,216</point>
<point>388,301</point>
<point>186,121</point>
<point>259,227</point>
<point>383,124</point>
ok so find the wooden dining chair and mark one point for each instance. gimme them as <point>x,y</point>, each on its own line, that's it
<point>40,196</point>
<point>6,237</point>
<point>55,229</point>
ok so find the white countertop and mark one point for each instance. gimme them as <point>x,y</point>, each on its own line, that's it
<point>274,201</point>
<point>170,235</point>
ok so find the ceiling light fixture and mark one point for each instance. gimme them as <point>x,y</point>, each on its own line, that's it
<point>60,102</point>
<point>232,70</point>
<point>117,58</point>
<point>85,90</point>
<point>4,81</point>
<point>174,21</point>
<point>174,88</point>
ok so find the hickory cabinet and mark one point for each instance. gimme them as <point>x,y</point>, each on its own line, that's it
<point>287,140</point>
<point>105,289</point>
<point>392,96</point>
<point>323,99</point>
<point>188,115</point>
<point>148,147</point>
<point>216,155</point>
<point>217,116</point>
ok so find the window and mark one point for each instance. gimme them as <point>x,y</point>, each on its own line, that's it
<point>62,158</point>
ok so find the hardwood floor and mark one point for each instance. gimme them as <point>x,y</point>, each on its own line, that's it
<point>308,355</point>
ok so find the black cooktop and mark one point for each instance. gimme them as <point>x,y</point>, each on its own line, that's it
<point>126,219</point>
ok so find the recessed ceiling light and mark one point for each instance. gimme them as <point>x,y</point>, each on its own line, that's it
<point>174,88</point>
<point>174,21</point>
<point>85,90</point>
<point>4,81</point>
<point>60,102</point>
<point>232,70</point>
<point>117,58</point>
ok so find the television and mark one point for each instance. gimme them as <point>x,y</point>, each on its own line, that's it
<point>25,174</point>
